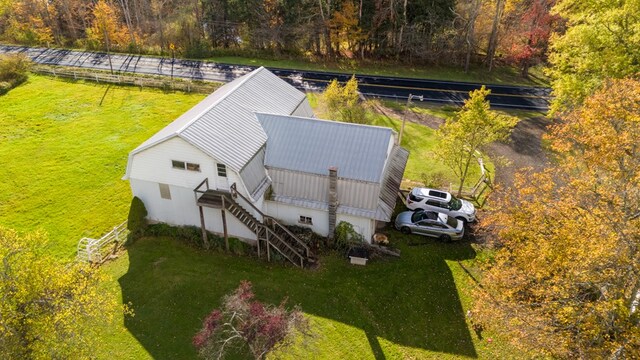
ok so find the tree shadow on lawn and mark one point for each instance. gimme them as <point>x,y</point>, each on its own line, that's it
<point>411,301</point>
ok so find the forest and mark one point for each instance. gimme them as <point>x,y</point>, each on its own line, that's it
<point>458,33</point>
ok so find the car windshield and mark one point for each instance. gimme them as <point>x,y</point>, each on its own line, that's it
<point>455,203</point>
<point>453,222</point>
<point>417,216</point>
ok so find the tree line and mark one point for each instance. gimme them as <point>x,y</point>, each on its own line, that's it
<point>451,32</point>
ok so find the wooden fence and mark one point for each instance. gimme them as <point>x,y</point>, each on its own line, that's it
<point>95,251</point>
<point>131,80</point>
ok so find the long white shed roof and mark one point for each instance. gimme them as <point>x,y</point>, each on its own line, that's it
<point>224,126</point>
<point>312,146</point>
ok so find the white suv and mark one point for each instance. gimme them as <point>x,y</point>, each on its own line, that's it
<point>441,201</point>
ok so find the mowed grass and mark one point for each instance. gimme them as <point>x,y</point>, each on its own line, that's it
<point>413,307</point>
<point>63,154</point>
<point>63,159</point>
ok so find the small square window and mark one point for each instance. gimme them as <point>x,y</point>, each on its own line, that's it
<point>178,164</point>
<point>165,191</point>
<point>222,170</point>
<point>305,220</point>
<point>193,167</point>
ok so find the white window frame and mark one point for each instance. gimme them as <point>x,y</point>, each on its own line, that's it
<point>221,168</point>
<point>165,191</point>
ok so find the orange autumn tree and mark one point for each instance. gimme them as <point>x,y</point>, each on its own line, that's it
<point>106,31</point>
<point>565,278</point>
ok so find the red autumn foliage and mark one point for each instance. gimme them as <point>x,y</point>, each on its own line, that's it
<point>244,321</point>
<point>536,23</point>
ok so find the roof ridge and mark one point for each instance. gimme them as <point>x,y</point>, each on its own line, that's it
<point>327,121</point>
<point>244,78</point>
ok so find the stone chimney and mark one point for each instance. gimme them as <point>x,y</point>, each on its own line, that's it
<point>333,201</point>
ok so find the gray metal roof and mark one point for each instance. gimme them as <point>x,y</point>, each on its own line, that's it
<point>391,183</point>
<point>312,146</point>
<point>223,124</point>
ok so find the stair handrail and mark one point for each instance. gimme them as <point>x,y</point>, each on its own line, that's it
<point>204,182</point>
<point>287,245</point>
<point>235,193</point>
<point>266,227</point>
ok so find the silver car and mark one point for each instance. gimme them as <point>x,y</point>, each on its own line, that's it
<point>430,223</point>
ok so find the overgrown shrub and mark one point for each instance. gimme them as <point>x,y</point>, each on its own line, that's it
<point>192,236</point>
<point>238,247</point>
<point>436,180</point>
<point>137,220</point>
<point>13,71</point>
<point>315,242</point>
<point>243,323</point>
<point>346,236</point>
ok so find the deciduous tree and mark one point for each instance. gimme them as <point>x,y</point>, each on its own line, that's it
<point>566,274</point>
<point>464,135</point>
<point>601,41</point>
<point>49,309</point>
<point>243,321</point>
<point>106,29</point>
<point>343,101</point>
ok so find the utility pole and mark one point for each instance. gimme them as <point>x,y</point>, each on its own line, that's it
<point>106,44</point>
<point>404,118</point>
<point>173,57</point>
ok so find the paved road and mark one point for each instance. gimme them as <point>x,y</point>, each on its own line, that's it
<point>515,97</point>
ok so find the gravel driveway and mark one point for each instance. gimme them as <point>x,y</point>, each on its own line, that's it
<point>523,149</point>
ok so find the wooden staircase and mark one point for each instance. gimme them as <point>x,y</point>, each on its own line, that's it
<point>270,234</point>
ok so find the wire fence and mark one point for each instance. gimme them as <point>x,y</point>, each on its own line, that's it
<point>130,80</point>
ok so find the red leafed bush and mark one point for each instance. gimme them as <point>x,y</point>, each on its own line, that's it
<point>243,321</point>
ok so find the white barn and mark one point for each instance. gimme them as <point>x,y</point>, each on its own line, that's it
<point>250,159</point>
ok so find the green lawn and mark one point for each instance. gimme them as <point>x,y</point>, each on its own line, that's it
<point>408,308</point>
<point>64,155</point>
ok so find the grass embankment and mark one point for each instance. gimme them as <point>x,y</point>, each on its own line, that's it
<point>504,75</point>
<point>64,155</point>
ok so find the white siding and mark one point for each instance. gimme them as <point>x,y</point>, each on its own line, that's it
<point>182,209</point>
<point>299,185</point>
<point>154,164</point>
<point>364,226</point>
<point>290,215</point>
<point>358,194</point>
<point>254,173</point>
